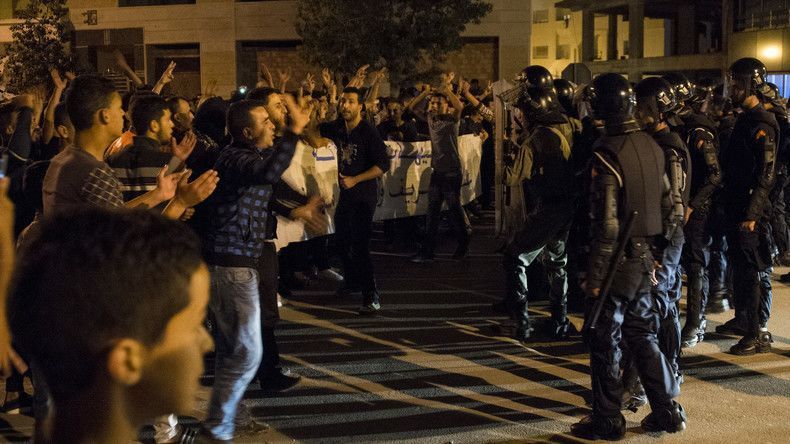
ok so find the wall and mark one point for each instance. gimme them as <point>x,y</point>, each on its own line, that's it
<point>766,45</point>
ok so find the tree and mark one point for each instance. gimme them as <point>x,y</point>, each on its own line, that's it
<point>411,38</point>
<point>40,43</point>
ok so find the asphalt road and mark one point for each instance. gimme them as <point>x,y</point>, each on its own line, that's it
<point>437,367</point>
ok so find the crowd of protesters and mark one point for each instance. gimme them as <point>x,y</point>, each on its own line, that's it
<point>140,219</point>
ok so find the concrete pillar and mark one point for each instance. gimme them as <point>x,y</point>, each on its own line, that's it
<point>588,35</point>
<point>687,33</point>
<point>611,38</point>
<point>636,29</point>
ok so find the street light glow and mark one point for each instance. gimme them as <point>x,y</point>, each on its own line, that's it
<point>771,52</point>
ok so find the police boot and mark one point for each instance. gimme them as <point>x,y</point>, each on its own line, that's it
<point>371,304</point>
<point>520,315</point>
<point>672,420</point>
<point>718,303</point>
<point>751,344</point>
<point>599,427</point>
<point>633,400</point>
<point>559,329</point>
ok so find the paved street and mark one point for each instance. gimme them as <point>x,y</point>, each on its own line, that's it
<point>437,367</point>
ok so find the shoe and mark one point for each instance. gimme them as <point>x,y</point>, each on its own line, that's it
<point>419,258</point>
<point>593,427</point>
<point>301,280</point>
<point>718,305</point>
<point>632,401</point>
<point>558,330</point>
<point>731,327</point>
<point>500,308</point>
<point>690,338</point>
<point>785,278</point>
<point>279,381</point>
<point>370,304</point>
<point>330,275</point>
<point>523,333</point>
<point>280,301</point>
<point>750,345</point>
<point>184,435</point>
<point>251,429</point>
<point>679,377</point>
<point>671,421</point>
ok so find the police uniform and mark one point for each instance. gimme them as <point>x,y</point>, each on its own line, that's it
<point>628,176</point>
<point>706,179</point>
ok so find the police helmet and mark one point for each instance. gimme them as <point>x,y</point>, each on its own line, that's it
<point>611,96</point>
<point>684,89</point>
<point>656,96</point>
<point>565,93</point>
<point>749,74</point>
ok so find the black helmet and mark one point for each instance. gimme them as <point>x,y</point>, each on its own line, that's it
<point>749,73</point>
<point>770,93</point>
<point>565,92</point>
<point>536,76</point>
<point>684,89</point>
<point>655,96</point>
<point>703,89</point>
<point>535,100</point>
<point>611,96</point>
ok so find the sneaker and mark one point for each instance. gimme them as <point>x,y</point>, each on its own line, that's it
<point>750,345</point>
<point>279,381</point>
<point>593,427</point>
<point>671,421</point>
<point>731,327</point>
<point>419,258</point>
<point>370,308</point>
<point>20,405</point>
<point>330,275</point>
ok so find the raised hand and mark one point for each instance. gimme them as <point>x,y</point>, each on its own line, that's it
<point>192,193</point>
<point>299,118</point>
<point>284,76</point>
<point>58,81</point>
<point>120,60</point>
<point>309,83</point>
<point>266,75</point>
<point>326,77</point>
<point>184,149</point>
<point>166,184</point>
<point>211,88</point>
<point>167,76</point>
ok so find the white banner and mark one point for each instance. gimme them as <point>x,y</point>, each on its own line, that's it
<point>403,190</point>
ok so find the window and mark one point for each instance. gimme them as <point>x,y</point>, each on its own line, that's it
<point>625,48</point>
<point>560,13</point>
<point>540,52</point>
<point>563,52</point>
<point>540,16</point>
<point>760,14</point>
<point>123,3</point>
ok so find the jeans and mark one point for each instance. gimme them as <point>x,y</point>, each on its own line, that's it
<point>235,305</point>
<point>354,227</point>
<point>445,188</point>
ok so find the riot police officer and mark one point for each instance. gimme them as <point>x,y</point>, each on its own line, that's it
<point>544,166</point>
<point>699,132</point>
<point>655,101</point>
<point>628,171</point>
<point>749,164</point>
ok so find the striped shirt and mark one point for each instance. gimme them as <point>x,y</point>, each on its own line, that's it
<point>138,165</point>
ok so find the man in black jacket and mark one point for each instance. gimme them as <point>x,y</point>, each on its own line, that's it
<point>749,165</point>
<point>362,158</point>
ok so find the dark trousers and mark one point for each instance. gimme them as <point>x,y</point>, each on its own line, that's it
<point>445,188</point>
<point>719,276</point>
<point>354,227</point>
<point>750,259</point>
<point>543,237</point>
<point>270,314</point>
<point>667,294</point>
<point>629,314</point>
<point>696,258</point>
